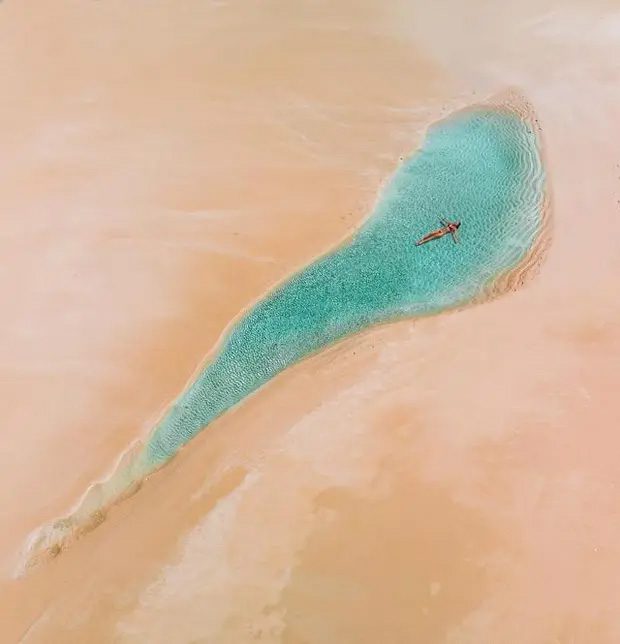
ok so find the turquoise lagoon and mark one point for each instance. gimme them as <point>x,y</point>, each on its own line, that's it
<point>481,166</point>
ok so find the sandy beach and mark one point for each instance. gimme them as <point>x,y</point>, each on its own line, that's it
<point>139,236</point>
<point>451,479</point>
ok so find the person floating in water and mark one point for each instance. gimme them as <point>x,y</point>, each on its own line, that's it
<point>447,228</point>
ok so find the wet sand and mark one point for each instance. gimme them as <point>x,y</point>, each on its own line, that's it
<point>447,480</point>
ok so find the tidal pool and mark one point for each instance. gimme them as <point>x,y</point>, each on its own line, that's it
<point>481,166</point>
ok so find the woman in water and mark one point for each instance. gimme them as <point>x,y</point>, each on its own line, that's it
<point>447,227</point>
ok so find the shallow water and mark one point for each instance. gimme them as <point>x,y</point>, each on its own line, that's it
<point>481,166</point>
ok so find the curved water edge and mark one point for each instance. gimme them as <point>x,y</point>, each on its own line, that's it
<point>482,165</point>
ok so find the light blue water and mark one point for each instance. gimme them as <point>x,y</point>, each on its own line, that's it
<point>481,167</point>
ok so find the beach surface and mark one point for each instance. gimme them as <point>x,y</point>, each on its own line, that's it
<point>451,479</point>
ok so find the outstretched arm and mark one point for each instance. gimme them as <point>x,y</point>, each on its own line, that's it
<point>455,236</point>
